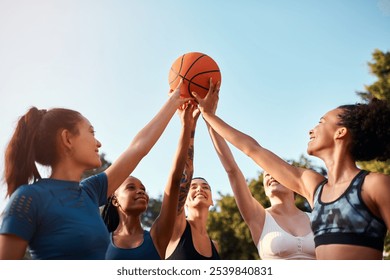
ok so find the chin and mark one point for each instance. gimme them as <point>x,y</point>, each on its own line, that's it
<point>94,166</point>
<point>309,151</point>
<point>98,164</point>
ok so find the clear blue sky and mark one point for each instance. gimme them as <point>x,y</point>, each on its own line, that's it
<point>284,64</point>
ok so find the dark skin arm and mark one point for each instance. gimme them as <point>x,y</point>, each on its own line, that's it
<point>162,228</point>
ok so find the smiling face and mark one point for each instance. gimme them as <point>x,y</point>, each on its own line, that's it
<point>271,186</point>
<point>84,146</point>
<point>199,194</point>
<point>131,197</point>
<point>322,136</point>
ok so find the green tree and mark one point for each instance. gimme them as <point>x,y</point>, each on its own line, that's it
<point>380,68</point>
<point>226,226</point>
<point>152,212</point>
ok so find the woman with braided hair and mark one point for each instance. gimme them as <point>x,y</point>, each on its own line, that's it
<point>351,207</point>
<point>122,213</point>
<point>58,217</point>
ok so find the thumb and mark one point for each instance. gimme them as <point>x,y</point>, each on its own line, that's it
<point>194,94</point>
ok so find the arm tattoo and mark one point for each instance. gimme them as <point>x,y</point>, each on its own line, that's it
<point>186,180</point>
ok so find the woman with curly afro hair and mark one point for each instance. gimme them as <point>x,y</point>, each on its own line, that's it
<point>350,207</point>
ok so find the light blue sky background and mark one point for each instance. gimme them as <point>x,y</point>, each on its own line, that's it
<point>284,64</point>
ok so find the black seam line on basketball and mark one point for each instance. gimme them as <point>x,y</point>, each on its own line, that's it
<point>185,79</point>
<point>177,75</point>
<point>191,82</point>
<point>196,84</point>
<point>200,73</point>
<point>189,68</point>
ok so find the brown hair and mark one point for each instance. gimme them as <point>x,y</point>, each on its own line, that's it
<point>34,140</point>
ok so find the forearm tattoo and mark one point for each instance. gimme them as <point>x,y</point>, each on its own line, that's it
<point>186,180</point>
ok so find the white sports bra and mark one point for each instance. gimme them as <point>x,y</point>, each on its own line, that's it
<point>276,243</point>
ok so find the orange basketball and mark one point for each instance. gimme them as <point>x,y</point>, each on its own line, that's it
<point>196,69</point>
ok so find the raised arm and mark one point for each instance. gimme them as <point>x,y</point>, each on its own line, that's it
<point>187,174</point>
<point>143,142</point>
<point>162,228</point>
<point>300,180</point>
<point>185,182</point>
<point>251,210</point>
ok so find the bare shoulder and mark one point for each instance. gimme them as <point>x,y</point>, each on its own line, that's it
<point>377,187</point>
<point>377,181</point>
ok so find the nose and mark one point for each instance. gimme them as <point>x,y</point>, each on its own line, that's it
<point>98,143</point>
<point>270,180</point>
<point>141,191</point>
<point>311,132</point>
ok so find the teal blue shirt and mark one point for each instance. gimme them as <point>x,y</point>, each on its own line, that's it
<point>59,219</point>
<point>146,251</point>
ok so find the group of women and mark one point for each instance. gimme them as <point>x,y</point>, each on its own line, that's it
<point>58,217</point>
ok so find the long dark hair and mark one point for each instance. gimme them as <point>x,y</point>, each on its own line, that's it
<point>369,125</point>
<point>35,140</point>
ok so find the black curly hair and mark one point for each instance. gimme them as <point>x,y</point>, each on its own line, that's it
<point>369,125</point>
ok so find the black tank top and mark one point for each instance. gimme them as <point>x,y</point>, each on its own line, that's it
<point>185,250</point>
<point>347,220</point>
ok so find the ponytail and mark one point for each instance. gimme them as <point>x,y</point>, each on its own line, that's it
<point>20,165</point>
<point>35,140</point>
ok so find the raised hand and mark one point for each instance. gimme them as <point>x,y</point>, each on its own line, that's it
<point>177,96</point>
<point>210,102</point>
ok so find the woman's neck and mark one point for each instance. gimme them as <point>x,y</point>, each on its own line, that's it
<point>129,226</point>
<point>198,219</point>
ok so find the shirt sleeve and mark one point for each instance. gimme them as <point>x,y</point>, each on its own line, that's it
<point>21,216</point>
<point>96,187</point>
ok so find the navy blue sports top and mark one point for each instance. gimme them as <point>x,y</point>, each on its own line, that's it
<point>146,251</point>
<point>185,250</point>
<point>347,220</point>
<point>59,219</point>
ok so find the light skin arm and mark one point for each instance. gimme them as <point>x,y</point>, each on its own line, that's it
<point>251,210</point>
<point>162,228</point>
<point>12,247</point>
<point>143,142</point>
<point>300,180</point>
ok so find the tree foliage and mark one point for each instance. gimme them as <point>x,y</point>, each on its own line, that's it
<point>152,212</point>
<point>380,68</point>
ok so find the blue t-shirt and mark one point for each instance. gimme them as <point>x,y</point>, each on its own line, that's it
<point>146,251</point>
<point>59,219</point>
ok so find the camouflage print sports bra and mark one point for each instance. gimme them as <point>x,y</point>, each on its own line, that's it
<point>347,220</point>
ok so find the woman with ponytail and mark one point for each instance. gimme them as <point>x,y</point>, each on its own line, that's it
<point>58,217</point>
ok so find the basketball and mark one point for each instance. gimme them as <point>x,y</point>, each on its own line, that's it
<point>196,69</point>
